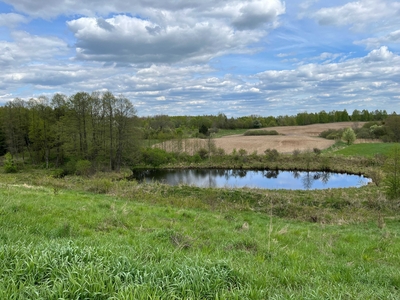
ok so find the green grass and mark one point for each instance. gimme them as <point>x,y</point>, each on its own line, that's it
<point>225,132</point>
<point>367,149</point>
<point>61,238</point>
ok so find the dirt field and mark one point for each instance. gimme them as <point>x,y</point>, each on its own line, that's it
<point>302,138</point>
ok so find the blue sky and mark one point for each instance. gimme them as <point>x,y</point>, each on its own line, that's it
<point>186,57</point>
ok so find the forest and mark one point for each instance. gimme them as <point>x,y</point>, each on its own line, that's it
<point>105,130</point>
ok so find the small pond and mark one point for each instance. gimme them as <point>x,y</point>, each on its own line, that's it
<point>264,179</point>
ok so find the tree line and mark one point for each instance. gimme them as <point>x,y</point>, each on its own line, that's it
<point>98,127</point>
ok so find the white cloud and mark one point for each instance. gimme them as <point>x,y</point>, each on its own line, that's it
<point>132,40</point>
<point>12,19</point>
<point>27,48</point>
<point>359,14</point>
<point>254,14</point>
<point>392,37</point>
<point>379,55</point>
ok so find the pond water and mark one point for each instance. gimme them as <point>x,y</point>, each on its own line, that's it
<point>265,179</point>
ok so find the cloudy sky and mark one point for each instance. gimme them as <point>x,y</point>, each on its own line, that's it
<point>190,57</point>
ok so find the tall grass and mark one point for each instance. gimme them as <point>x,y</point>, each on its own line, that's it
<point>157,242</point>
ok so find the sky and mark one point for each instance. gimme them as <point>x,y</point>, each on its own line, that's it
<point>187,57</point>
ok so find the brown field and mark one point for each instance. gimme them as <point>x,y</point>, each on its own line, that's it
<point>302,138</point>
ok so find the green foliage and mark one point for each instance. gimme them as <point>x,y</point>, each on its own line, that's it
<point>9,166</point>
<point>349,136</point>
<point>83,167</point>
<point>332,134</point>
<point>271,154</point>
<point>203,153</point>
<point>392,124</point>
<point>155,156</point>
<point>392,170</point>
<point>317,151</point>
<point>261,132</point>
<point>203,130</point>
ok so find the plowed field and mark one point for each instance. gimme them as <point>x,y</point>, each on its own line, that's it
<point>302,138</point>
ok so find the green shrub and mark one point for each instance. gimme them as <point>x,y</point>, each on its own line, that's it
<point>392,170</point>
<point>331,134</point>
<point>349,136</point>
<point>271,154</point>
<point>202,152</point>
<point>83,167</point>
<point>9,166</point>
<point>155,156</point>
<point>261,132</point>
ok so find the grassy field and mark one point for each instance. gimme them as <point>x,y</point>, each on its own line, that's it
<point>105,238</point>
<point>367,149</point>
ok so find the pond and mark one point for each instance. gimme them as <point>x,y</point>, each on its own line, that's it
<point>264,179</point>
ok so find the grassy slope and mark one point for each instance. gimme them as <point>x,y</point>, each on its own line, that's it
<point>158,242</point>
<point>368,149</point>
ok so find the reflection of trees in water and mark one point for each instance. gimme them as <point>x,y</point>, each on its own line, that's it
<point>235,173</point>
<point>310,177</point>
<point>307,180</point>
<point>296,174</point>
<point>239,173</point>
<point>325,177</point>
<point>271,174</point>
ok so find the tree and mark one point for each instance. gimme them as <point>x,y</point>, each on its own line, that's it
<point>392,124</point>
<point>349,136</point>
<point>392,170</point>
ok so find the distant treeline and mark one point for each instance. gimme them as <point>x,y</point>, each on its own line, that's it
<point>221,121</point>
<point>103,129</point>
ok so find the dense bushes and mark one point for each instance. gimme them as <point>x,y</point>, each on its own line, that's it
<point>261,132</point>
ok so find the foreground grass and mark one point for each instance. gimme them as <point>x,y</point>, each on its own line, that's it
<point>77,238</point>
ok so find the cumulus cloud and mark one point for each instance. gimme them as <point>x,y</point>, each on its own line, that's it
<point>358,14</point>
<point>133,40</point>
<point>254,14</point>
<point>12,19</point>
<point>379,55</point>
<point>353,80</point>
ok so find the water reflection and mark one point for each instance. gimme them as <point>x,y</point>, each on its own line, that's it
<point>266,179</point>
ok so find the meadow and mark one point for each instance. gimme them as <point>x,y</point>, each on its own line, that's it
<point>104,237</point>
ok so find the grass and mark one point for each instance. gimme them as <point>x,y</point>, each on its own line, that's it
<point>367,149</point>
<point>67,238</point>
<point>225,132</point>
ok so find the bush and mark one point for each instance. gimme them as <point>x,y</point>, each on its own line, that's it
<point>261,132</point>
<point>9,166</point>
<point>349,136</point>
<point>202,153</point>
<point>296,152</point>
<point>331,134</point>
<point>271,154</point>
<point>317,151</point>
<point>363,133</point>
<point>155,156</point>
<point>392,170</point>
<point>83,167</point>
